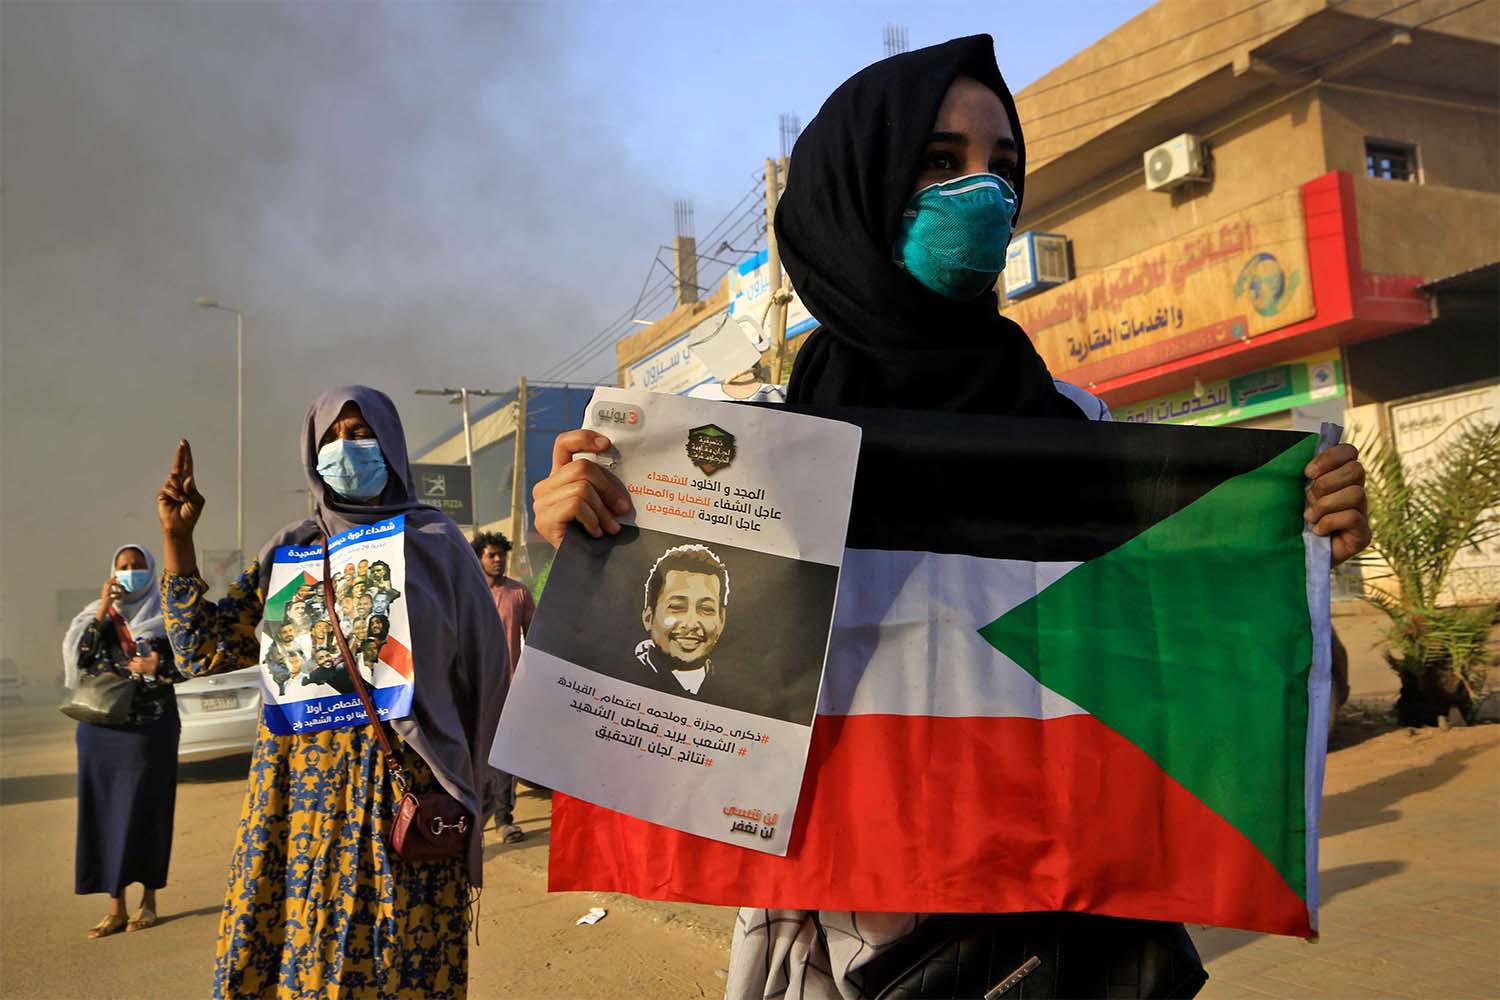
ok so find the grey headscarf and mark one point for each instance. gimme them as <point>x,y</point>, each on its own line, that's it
<point>141,610</point>
<point>460,658</point>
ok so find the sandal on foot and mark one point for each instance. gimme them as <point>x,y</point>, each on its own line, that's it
<point>142,920</point>
<point>111,924</point>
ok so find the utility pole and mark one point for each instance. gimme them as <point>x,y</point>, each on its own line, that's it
<point>685,252</point>
<point>460,397</point>
<point>518,484</point>
<point>239,418</point>
<point>779,297</point>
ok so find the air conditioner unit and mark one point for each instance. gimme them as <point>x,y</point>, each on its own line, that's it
<point>1175,163</point>
<point>1035,262</point>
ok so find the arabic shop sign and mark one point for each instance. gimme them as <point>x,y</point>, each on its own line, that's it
<point>673,369</point>
<point>1228,281</point>
<point>1244,397</point>
<point>446,487</point>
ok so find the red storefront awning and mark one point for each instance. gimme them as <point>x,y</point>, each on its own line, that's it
<point>1351,304</point>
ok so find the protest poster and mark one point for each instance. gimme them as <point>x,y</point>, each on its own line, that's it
<point>672,671</point>
<point>305,683</point>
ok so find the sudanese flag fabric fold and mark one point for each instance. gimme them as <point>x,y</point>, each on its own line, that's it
<point>1074,666</point>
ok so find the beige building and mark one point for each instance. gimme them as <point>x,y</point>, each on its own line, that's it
<point>1274,214</point>
<point>1336,164</point>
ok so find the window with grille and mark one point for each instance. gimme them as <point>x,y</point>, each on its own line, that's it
<point>1391,161</point>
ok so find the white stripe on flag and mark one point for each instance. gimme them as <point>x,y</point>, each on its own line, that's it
<point>906,638</point>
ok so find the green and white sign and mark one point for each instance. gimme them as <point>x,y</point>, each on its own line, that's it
<point>1270,390</point>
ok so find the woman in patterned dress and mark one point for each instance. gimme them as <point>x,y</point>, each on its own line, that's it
<point>317,905</point>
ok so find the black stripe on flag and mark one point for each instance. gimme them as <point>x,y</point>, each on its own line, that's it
<point>1027,488</point>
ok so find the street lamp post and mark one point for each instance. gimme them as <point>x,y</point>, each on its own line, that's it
<point>239,419</point>
<point>461,396</point>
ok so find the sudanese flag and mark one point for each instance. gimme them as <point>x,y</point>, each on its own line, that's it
<point>1074,666</point>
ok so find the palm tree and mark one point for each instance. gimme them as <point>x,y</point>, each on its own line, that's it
<point>1421,520</point>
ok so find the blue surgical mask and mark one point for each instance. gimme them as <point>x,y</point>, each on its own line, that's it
<point>355,470</point>
<point>132,579</point>
<point>953,236</point>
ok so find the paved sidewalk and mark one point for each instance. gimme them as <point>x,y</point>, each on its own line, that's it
<point>1362,628</point>
<point>1410,875</point>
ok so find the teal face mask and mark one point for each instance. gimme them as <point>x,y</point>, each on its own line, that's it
<point>132,579</point>
<point>953,235</point>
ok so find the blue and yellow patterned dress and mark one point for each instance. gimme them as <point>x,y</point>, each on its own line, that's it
<point>316,905</point>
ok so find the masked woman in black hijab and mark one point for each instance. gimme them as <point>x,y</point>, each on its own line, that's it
<point>893,229</point>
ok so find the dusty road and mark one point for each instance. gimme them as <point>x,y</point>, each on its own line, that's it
<point>529,945</point>
<point>1410,886</point>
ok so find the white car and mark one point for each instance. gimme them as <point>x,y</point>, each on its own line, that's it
<point>220,714</point>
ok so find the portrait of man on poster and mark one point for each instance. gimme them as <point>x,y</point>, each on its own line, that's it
<point>684,614</point>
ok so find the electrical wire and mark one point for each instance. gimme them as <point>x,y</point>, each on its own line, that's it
<point>564,362</point>
<point>753,217</point>
<point>754,190</point>
<point>590,348</point>
<point>586,358</point>
<point>1158,77</point>
<point>607,331</point>
<point>610,332</point>
<point>717,226</point>
<point>1028,93</point>
<point>1313,68</point>
<point>1439,17</point>
<point>607,335</point>
<point>607,343</point>
<point>1242,43</point>
<point>753,227</point>
<point>656,297</point>
<point>752,214</point>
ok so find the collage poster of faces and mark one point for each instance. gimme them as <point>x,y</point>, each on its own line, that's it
<point>307,683</point>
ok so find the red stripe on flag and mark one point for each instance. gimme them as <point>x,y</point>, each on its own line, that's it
<point>397,657</point>
<point>932,815</point>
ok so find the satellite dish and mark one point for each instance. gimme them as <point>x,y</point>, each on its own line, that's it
<point>725,350</point>
<point>753,333</point>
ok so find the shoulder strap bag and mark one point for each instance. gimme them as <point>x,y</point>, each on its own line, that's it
<point>1035,956</point>
<point>428,827</point>
<point>103,697</point>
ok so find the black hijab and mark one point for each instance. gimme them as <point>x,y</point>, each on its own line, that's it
<point>885,340</point>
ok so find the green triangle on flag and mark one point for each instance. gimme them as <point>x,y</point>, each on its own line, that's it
<point>1189,660</point>
<point>277,602</point>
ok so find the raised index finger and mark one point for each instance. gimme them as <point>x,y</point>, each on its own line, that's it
<point>570,442</point>
<point>182,463</point>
